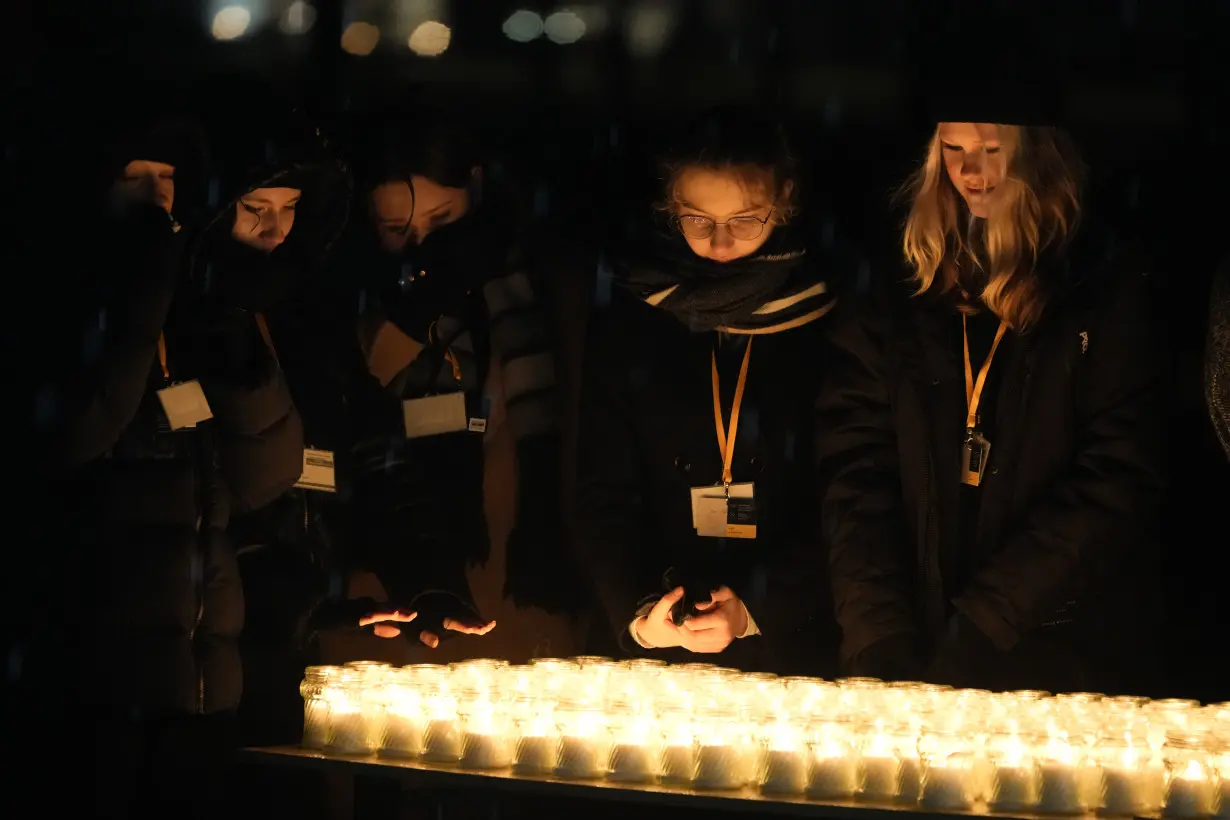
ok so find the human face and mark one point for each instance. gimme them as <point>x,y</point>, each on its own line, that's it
<point>264,217</point>
<point>143,180</point>
<point>976,159</point>
<point>721,195</point>
<point>406,215</point>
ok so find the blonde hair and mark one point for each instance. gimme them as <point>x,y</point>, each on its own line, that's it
<point>1038,207</point>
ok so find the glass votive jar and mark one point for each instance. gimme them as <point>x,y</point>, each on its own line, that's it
<point>678,743</point>
<point>1068,774</point>
<point>784,764</point>
<point>477,673</point>
<point>888,759</point>
<point>860,695</point>
<point>486,730</point>
<point>517,682</point>
<point>834,770</point>
<point>1220,758</point>
<point>809,698</point>
<point>636,748</point>
<point>585,740</point>
<point>555,676</point>
<point>1166,715</point>
<point>1016,781</point>
<point>1191,781</point>
<point>947,781</point>
<point>441,732</point>
<point>1133,779</point>
<point>401,719</point>
<point>354,715</point>
<point>314,689</point>
<point>535,736</point>
<point>722,751</point>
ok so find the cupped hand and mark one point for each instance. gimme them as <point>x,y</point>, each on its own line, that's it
<point>723,620</point>
<point>382,622</point>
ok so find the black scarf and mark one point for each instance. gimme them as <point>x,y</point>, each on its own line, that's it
<point>775,289</point>
<point>238,276</point>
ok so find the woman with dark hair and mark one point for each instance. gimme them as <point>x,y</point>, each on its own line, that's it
<point>701,540</point>
<point>990,433</point>
<point>452,327</point>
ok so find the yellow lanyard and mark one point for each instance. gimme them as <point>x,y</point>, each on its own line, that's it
<point>973,388</point>
<point>726,441</point>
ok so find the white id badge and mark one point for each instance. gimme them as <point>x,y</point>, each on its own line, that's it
<point>717,514</point>
<point>478,425</point>
<point>435,415</point>
<point>318,472</point>
<point>185,405</point>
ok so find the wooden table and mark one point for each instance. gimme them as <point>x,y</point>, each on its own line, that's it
<point>627,799</point>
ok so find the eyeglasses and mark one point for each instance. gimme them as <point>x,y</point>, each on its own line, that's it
<point>742,228</point>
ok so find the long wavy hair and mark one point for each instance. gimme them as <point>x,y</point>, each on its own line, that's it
<point>1036,212</point>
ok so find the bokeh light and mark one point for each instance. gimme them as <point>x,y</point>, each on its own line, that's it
<point>430,39</point>
<point>360,39</point>
<point>230,23</point>
<point>298,18</point>
<point>564,27</point>
<point>523,26</point>
<point>649,28</point>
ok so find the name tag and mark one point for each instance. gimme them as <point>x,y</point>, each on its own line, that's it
<point>478,425</point>
<point>185,405</point>
<point>318,471</point>
<point>435,415</point>
<point>721,512</point>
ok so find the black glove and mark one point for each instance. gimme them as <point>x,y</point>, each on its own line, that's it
<point>896,657</point>
<point>964,650</point>
<point>435,607</point>
<point>345,613</point>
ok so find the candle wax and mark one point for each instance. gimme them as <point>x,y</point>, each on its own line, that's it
<point>315,724</point>
<point>402,736</point>
<point>580,758</point>
<point>633,763</point>
<point>1013,787</point>
<point>785,772</point>
<point>833,777</point>
<point>678,764</point>
<point>880,776</point>
<point>442,741</point>
<point>1124,792</point>
<point>480,751</point>
<point>720,767</point>
<point>536,755</point>
<point>350,733</point>
<point>909,780</point>
<point>1223,801</point>
<point>1188,797</point>
<point>1061,791</point>
<point>946,788</point>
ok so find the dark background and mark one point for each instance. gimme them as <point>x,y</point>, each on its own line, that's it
<point>1144,91</point>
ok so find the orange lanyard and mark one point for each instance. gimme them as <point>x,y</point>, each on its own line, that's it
<point>973,387</point>
<point>261,325</point>
<point>432,338</point>
<point>726,440</point>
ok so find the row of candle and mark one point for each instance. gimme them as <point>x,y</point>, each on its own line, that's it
<point>711,728</point>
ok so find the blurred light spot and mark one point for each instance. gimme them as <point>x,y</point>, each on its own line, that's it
<point>230,23</point>
<point>594,16</point>
<point>412,12</point>
<point>523,26</point>
<point>430,39</point>
<point>298,18</point>
<point>649,29</point>
<point>360,39</point>
<point>564,27</point>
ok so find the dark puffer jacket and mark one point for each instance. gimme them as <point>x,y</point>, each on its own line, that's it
<point>142,510</point>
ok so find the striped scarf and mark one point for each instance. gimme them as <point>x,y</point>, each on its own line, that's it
<point>776,289</point>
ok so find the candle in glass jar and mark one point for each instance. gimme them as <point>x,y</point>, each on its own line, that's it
<point>480,750</point>
<point>402,735</point>
<point>946,787</point>
<point>679,764</point>
<point>535,754</point>
<point>1061,791</point>
<point>719,766</point>
<point>1013,787</point>
<point>1223,796</point>
<point>833,776</point>
<point>880,777</point>
<point>349,731</point>
<point>580,758</point>
<point>442,741</point>
<point>785,771</point>
<point>909,780</point>
<point>1191,793</point>
<point>1126,792</point>
<point>315,724</point>
<point>633,763</point>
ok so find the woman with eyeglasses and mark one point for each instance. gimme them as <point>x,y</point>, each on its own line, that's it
<point>694,450</point>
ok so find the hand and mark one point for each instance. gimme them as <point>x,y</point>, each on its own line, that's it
<point>382,622</point>
<point>432,640</point>
<point>656,629</point>
<point>725,618</point>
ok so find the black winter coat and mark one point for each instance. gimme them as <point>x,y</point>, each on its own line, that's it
<point>155,596</point>
<point>1067,529</point>
<point>647,436</point>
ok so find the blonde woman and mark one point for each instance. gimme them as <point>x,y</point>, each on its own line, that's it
<point>989,433</point>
